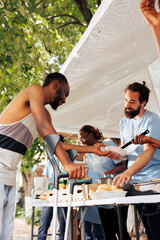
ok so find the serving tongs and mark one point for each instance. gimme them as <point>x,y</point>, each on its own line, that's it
<point>130,142</point>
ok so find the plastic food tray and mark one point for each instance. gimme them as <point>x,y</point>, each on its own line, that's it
<point>146,186</point>
<point>107,194</point>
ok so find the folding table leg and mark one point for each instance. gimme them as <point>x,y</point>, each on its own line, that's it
<point>81,224</point>
<point>33,208</point>
<point>120,223</point>
<point>136,222</point>
<point>71,226</point>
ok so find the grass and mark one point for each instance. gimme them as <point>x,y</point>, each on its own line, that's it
<point>20,213</point>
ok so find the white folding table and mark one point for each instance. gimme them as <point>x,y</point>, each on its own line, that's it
<point>133,200</point>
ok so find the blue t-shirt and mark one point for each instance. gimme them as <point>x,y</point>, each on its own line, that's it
<point>97,165</point>
<point>129,128</point>
<point>48,170</point>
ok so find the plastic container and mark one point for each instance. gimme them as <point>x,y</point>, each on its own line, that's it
<point>123,156</point>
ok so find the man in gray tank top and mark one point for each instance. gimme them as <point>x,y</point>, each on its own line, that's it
<point>20,123</point>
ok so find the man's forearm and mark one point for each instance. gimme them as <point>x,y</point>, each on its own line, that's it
<point>156,33</point>
<point>80,149</point>
<point>141,161</point>
<point>155,142</point>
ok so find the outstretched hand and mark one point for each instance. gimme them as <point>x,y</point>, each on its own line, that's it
<point>140,139</point>
<point>152,17</point>
<point>149,12</point>
<point>97,150</point>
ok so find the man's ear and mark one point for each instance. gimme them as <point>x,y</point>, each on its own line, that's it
<point>143,103</point>
<point>56,84</point>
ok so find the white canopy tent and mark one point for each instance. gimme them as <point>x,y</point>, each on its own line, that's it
<point>116,49</point>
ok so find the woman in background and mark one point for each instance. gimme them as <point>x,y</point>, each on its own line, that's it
<point>97,165</point>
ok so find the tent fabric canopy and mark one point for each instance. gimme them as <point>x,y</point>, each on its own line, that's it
<point>116,49</point>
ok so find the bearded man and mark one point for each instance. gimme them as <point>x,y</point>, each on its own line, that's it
<point>144,161</point>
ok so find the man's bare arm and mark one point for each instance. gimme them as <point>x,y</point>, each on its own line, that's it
<point>153,18</point>
<point>139,164</point>
<point>45,127</point>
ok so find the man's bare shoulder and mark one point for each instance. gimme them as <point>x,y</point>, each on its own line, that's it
<point>24,95</point>
<point>33,88</point>
<point>20,105</point>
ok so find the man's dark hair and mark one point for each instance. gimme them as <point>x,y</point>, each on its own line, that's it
<point>62,138</point>
<point>141,88</point>
<point>53,77</point>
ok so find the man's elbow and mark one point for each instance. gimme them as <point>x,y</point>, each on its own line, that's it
<point>42,129</point>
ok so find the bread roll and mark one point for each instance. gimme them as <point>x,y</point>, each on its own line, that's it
<point>42,197</point>
<point>46,194</point>
<point>93,188</point>
<point>105,187</point>
<point>157,179</point>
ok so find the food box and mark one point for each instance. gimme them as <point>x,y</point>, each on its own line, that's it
<point>80,193</point>
<point>62,196</point>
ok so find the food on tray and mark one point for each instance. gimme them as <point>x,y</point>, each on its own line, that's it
<point>42,197</point>
<point>62,186</point>
<point>158,179</point>
<point>46,194</point>
<point>92,187</point>
<point>105,187</point>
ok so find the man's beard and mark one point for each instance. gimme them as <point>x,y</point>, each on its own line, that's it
<point>132,113</point>
<point>55,104</point>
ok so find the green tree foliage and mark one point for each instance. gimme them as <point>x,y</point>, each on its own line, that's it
<point>36,37</point>
<point>33,156</point>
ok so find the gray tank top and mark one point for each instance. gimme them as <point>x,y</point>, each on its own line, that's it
<point>15,138</point>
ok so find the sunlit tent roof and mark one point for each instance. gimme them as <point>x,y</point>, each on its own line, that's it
<point>116,49</point>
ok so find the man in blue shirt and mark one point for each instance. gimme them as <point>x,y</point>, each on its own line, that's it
<point>144,161</point>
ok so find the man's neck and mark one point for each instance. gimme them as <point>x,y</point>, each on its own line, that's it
<point>142,111</point>
<point>46,91</point>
